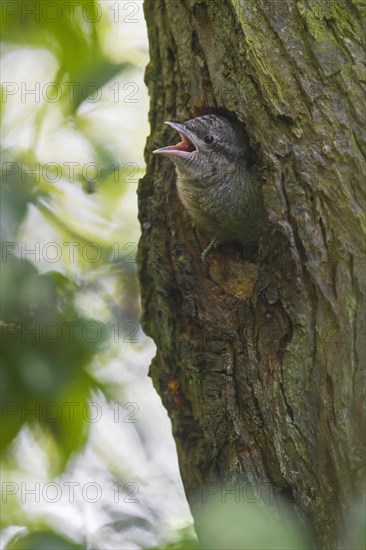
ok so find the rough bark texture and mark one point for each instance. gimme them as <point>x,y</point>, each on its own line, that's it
<point>259,361</point>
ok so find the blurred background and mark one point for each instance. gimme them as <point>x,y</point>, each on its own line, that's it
<point>88,458</point>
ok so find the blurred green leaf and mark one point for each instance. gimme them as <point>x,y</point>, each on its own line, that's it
<point>225,524</point>
<point>356,525</point>
<point>46,346</point>
<point>42,540</point>
<point>15,196</point>
<point>91,81</point>
<point>69,30</point>
<point>185,540</point>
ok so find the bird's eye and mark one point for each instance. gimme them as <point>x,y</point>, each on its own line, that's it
<point>208,139</point>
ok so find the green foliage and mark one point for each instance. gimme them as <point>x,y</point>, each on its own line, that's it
<point>52,334</point>
<point>226,522</point>
<point>184,541</point>
<point>70,32</point>
<point>237,525</point>
<point>41,540</point>
<point>46,346</point>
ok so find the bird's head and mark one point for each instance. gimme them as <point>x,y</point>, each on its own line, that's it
<point>209,143</point>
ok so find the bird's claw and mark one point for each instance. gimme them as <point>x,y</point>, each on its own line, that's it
<point>212,244</point>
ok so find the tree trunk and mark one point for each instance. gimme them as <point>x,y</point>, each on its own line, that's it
<point>259,358</point>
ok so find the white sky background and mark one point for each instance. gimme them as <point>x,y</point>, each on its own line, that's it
<point>141,453</point>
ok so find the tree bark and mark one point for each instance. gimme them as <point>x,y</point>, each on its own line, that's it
<point>259,359</point>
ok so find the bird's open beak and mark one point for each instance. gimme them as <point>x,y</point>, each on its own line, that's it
<point>183,148</point>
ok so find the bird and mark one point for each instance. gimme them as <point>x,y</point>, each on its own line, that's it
<point>217,181</point>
